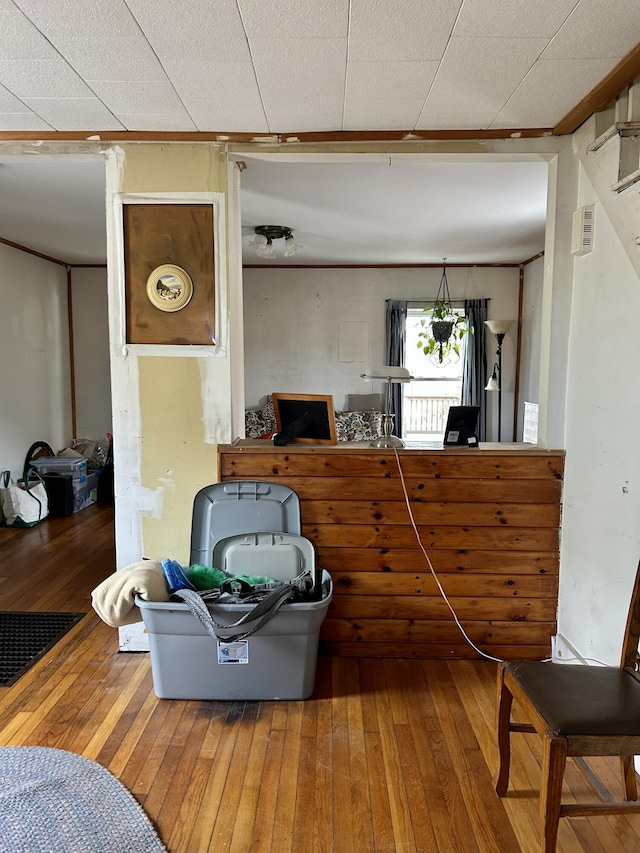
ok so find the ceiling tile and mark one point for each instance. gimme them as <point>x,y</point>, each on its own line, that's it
<point>78,18</point>
<point>158,122</point>
<point>317,85</point>
<point>388,80</point>
<point>592,31</point>
<point>295,18</point>
<point>117,59</point>
<point>48,79</point>
<point>221,116</point>
<point>22,121</point>
<point>479,75</point>
<point>214,81</point>
<point>511,18</point>
<point>402,30</point>
<point>539,99</point>
<point>74,113</point>
<point>10,104</point>
<point>198,29</point>
<point>145,98</point>
<point>307,118</point>
<point>20,39</point>
<point>433,119</point>
<point>385,114</point>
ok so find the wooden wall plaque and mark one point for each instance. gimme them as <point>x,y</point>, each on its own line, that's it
<point>180,235</point>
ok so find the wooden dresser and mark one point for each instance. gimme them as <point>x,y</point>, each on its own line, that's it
<point>489,520</point>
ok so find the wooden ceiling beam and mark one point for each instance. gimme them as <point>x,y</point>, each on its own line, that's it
<point>317,137</point>
<point>610,87</point>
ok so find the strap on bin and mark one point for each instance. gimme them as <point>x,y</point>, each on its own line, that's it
<point>262,613</point>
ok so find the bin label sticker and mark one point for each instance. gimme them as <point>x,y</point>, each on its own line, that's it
<point>236,652</point>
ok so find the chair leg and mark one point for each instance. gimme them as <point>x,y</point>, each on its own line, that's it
<point>554,759</point>
<point>629,780</point>
<point>503,721</point>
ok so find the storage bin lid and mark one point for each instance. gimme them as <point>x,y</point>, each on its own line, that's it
<point>241,506</point>
<point>281,556</point>
<point>58,462</point>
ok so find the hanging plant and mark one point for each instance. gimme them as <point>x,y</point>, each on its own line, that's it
<point>442,333</point>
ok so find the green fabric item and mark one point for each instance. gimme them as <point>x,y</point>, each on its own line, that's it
<point>207,577</point>
<point>254,579</point>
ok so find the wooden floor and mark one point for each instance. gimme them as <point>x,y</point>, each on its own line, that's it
<point>387,755</point>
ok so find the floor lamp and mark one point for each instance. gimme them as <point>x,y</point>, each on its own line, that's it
<point>391,374</point>
<point>499,328</point>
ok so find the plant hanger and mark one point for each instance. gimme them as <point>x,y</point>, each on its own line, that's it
<point>446,326</point>
<point>443,294</point>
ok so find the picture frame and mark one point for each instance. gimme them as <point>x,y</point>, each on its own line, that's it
<point>461,426</point>
<point>169,288</point>
<point>289,409</point>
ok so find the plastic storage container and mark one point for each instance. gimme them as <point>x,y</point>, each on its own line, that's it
<point>84,492</point>
<point>76,468</point>
<point>245,527</point>
<point>277,662</point>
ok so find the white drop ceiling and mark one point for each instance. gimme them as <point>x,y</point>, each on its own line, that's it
<point>280,66</point>
<point>300,66</point>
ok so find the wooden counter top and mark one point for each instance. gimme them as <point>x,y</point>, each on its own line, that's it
<point>342,446</point>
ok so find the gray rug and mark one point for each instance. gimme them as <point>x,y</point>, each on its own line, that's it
<point>52,801</point>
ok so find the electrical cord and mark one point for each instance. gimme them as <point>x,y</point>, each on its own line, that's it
<point>433,571</point>
<point>439,585</point>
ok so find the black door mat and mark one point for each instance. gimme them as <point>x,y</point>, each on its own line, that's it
<point>25,637</point>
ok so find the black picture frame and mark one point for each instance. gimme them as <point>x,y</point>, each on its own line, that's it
<point>462,423</point>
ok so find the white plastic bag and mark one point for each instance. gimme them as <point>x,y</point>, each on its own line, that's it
<point>25,504</point>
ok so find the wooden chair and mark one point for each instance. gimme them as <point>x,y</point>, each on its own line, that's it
<point>577,711</point>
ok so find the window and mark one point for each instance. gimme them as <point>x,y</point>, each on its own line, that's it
<point>435,387</point>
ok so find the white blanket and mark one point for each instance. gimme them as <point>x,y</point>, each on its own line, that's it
<point>114,599</point>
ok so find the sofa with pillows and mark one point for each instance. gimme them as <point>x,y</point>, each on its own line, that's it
<point>357,425</point>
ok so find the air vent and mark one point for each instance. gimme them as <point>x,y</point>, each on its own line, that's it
<point>582,234</point>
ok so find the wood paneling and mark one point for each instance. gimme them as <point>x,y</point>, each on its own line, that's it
<point>489,521</point>
<point>180,234</point>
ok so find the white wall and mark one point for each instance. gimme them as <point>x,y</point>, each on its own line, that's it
<point>601,514</point>
<point>530,338</point>
<point>91,352</point>
<point>301,326</point>
<point>34,354</point>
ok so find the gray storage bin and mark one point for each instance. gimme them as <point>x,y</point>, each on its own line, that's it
<point>245,527</point>
<point>277,662</point>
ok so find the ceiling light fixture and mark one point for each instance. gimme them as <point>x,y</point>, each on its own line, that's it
<point>262,243</point>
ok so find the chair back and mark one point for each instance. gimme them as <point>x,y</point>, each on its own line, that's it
<point>629,658</point>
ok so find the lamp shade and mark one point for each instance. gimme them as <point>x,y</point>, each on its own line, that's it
<point>390,372</point>
<point>498,327</point>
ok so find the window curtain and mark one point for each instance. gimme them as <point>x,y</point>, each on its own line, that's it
<point>395,334</point>
<point>474,369</point>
